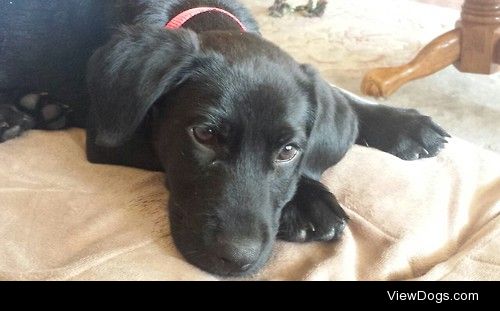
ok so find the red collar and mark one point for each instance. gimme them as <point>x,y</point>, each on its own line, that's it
<point>182,18</point>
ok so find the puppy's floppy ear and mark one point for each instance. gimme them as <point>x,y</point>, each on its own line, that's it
<point>130,73</point>
<point>334,125</point>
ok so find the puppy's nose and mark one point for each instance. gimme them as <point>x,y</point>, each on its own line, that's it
<point>238,254</point>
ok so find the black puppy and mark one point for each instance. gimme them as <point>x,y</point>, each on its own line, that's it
<point>242,131</point>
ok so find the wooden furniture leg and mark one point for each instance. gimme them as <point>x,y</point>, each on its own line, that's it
<point>474,46</point>
<point>480,26</point>
<point>440,53</point>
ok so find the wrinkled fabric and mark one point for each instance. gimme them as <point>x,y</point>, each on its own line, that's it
<point>63,218</point>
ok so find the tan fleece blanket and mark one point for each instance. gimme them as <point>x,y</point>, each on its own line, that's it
<point>62,218</point>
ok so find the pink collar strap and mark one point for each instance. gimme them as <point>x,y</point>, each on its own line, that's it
<point>178,21</point>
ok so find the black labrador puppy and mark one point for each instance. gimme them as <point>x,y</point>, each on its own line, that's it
<point>242,130</point>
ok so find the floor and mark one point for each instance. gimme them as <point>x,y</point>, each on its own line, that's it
<point>355,36</point>
<point>455,4</point>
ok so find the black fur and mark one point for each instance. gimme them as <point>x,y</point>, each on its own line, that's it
<point>148,88</point>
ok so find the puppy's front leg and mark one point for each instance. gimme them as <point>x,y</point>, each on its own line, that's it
<point>313,214</point>
<point>135,152</point>
<point>404,133</point>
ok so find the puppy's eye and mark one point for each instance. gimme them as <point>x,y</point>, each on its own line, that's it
<point>205,135</point>
<point>287,154</point>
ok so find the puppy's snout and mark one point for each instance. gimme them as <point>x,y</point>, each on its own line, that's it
<point>236,254</point>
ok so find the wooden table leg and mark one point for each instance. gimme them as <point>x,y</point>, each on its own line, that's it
<point>480,25</point>
<point>474,46</point>
<point>440,53</point>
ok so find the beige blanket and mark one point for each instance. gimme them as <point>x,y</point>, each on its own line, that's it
<point>62,218</point>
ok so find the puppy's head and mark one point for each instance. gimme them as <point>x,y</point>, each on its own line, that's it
<point>234,128</point>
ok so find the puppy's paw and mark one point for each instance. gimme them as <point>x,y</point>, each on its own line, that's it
<point>47,112</point>
<point>13,122</point>
<point>418,137</point>
<point>404,133</point>
<point>313,215</point>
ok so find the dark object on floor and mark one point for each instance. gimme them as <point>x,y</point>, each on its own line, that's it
<point>309,10</point>
<point>281,7</point>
